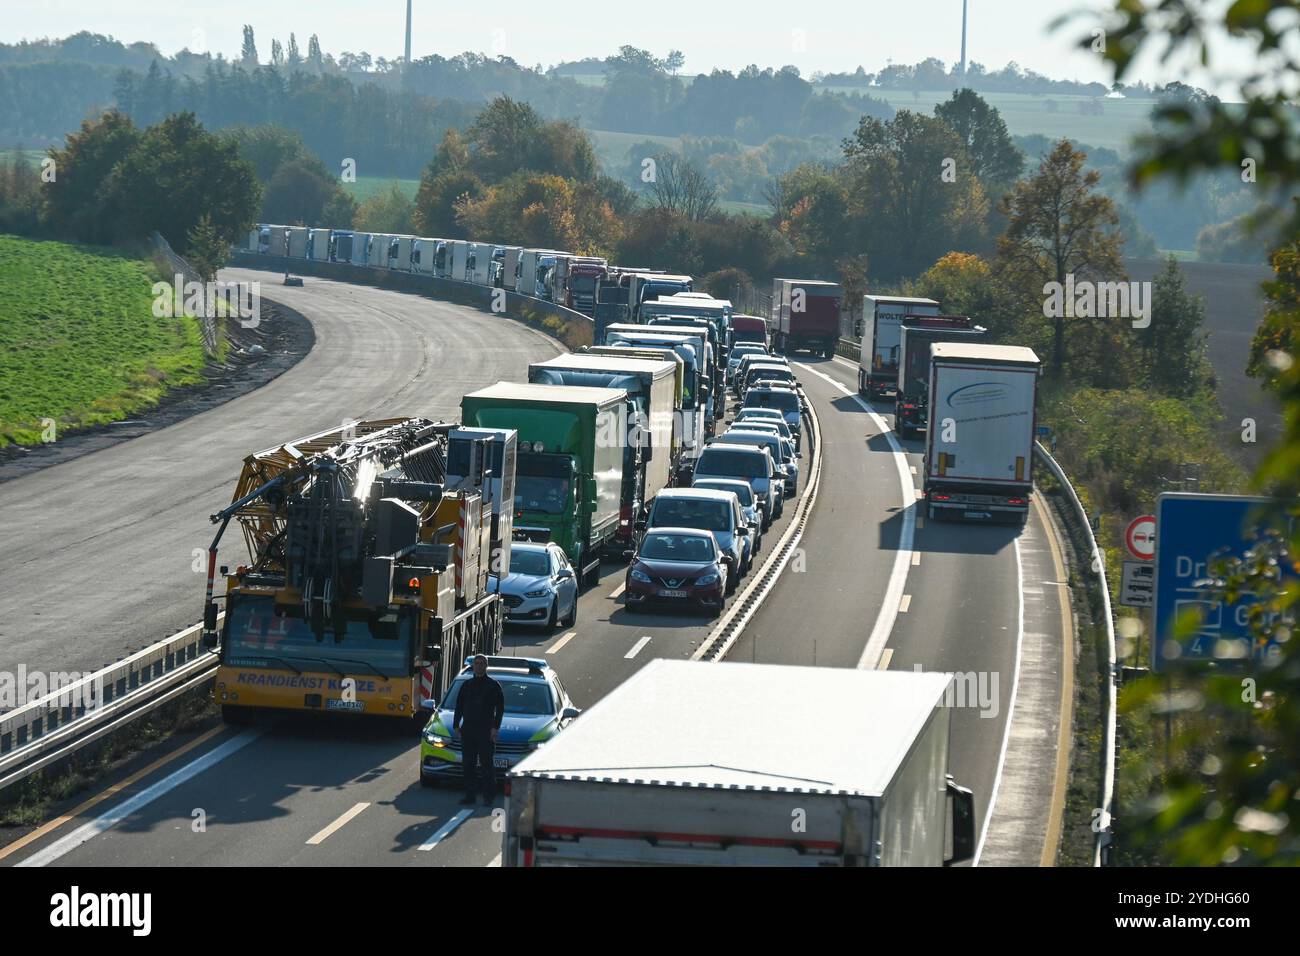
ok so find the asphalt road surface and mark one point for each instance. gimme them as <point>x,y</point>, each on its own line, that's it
<point>872,586</point>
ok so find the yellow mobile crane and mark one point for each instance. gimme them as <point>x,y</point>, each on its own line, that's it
<point>367,584</point>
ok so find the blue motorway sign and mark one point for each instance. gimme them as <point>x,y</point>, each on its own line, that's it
<point>1192,532</point>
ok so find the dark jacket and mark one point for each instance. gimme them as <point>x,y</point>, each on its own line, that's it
<point>480,705</point>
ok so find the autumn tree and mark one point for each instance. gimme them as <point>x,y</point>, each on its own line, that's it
<point>76,203</point>
<point>908,195</point>
<point>681,187</point>
<point>1059,228</point>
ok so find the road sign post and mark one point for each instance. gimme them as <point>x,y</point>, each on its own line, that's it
<point>1194,531</point>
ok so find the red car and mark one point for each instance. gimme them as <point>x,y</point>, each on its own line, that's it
<point>681,566</point>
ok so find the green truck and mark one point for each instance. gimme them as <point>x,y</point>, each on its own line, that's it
<point>569,473</point>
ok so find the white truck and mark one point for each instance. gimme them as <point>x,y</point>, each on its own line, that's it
<point>460,250</point>
<point>882,317</point>
<point>361,248</point>
<point>298,236</point>
<point>979,449</point>
<point>847,767</point>
<point>379,250</point>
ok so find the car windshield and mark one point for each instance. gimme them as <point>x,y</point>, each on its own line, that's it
<point>676,547</point>
<point>786,401</point>
<point>529,562</point>
<point>531,698</point>
<point>724,461</point>
<point>740,489</point>
<point>691,513</point>
<point>539,493</point>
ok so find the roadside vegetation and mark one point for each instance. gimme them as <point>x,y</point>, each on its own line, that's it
<point>80,344</point>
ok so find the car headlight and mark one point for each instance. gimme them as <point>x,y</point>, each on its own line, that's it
<point>638,575</point>
<point>536,594</point>
<point>434,740</point>
<point>704,580</point>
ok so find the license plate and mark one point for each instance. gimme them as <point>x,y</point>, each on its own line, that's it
<point>672,594</point>
<point>978,514</point>
<point>345,705</point>
<point>502,763</point>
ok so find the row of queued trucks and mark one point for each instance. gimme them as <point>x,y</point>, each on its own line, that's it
<point>561,277</point>
<point>976,403</point>
<point>374,546</point>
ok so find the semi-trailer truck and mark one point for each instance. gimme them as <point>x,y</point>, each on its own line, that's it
<point>647,286</point>
<point>806,315</point>
<point>979,452</point>
<point>747,329</point>
<point>912,389</point>
<point>298,236</point>
<point>569,473</point>
<point>460,250</point>
<point>366,583</point>
<point>584,275</point>
<point>869,785</point>
<point>882,315</point>
<point>651,456</point>
<point>691,343</point>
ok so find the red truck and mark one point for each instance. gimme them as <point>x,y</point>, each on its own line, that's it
<point>585,274</point>
<point>805,315</point>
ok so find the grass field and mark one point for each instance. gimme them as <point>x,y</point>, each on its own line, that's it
<point>1026,114</point>
<point>367,186</point>
<point>79,344</point>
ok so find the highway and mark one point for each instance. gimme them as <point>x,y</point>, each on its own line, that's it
<point>872,585</point>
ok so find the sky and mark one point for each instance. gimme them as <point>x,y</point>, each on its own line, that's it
<point>814,35</point>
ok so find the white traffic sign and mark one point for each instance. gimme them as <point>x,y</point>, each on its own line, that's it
<point>1138,586</point>
<point>1140,537</point>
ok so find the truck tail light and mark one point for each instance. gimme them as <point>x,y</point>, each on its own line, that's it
<point>1015,501</point>
<point>942,497</point>
<point>909,408</point>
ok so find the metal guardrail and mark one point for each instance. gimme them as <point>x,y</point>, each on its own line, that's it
<point>1099,568</point>
<point>48,729</point>
<point>724,635</point>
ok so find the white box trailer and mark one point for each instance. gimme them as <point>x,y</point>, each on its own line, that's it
<point>460,250</point>
<point>399,258</point>
<point>882,317</point>
<point>379,250</point>
<point>979,449</point>
<point>318,245</point>
<point>298,236</point>
<point>361,248</point>
<point>528,270</point>
<point>423,253</point>
<point>510,268</point>
<point>652,392</point>
<point>253,240</point>
<point>274,240</point>
<point>482,263</point>
<point>863,769</point>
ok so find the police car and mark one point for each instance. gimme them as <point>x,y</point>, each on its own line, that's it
<point>537,708</point>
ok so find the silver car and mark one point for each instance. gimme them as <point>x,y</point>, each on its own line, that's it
<point>781,450</point>
<point>747,463</point>
<point>748,505</point>
<point>540,587</point>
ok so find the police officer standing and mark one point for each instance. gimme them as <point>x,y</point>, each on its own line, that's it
<point>480,705</point>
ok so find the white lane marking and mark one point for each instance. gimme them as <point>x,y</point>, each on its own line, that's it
<point>618,590</point>
<point>904,604</point>
<point>445,830</point>
<point>496,860</point>
<point>845,362</point>
<point>561,642</point>
<point>337,825</point>
<point>145,797</point>
<point>885,658</point>
<point>916,558</point>
<point>920,522</point>
<point>636,648</point>
<point>903,556</point>
<point>1011,705</point>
